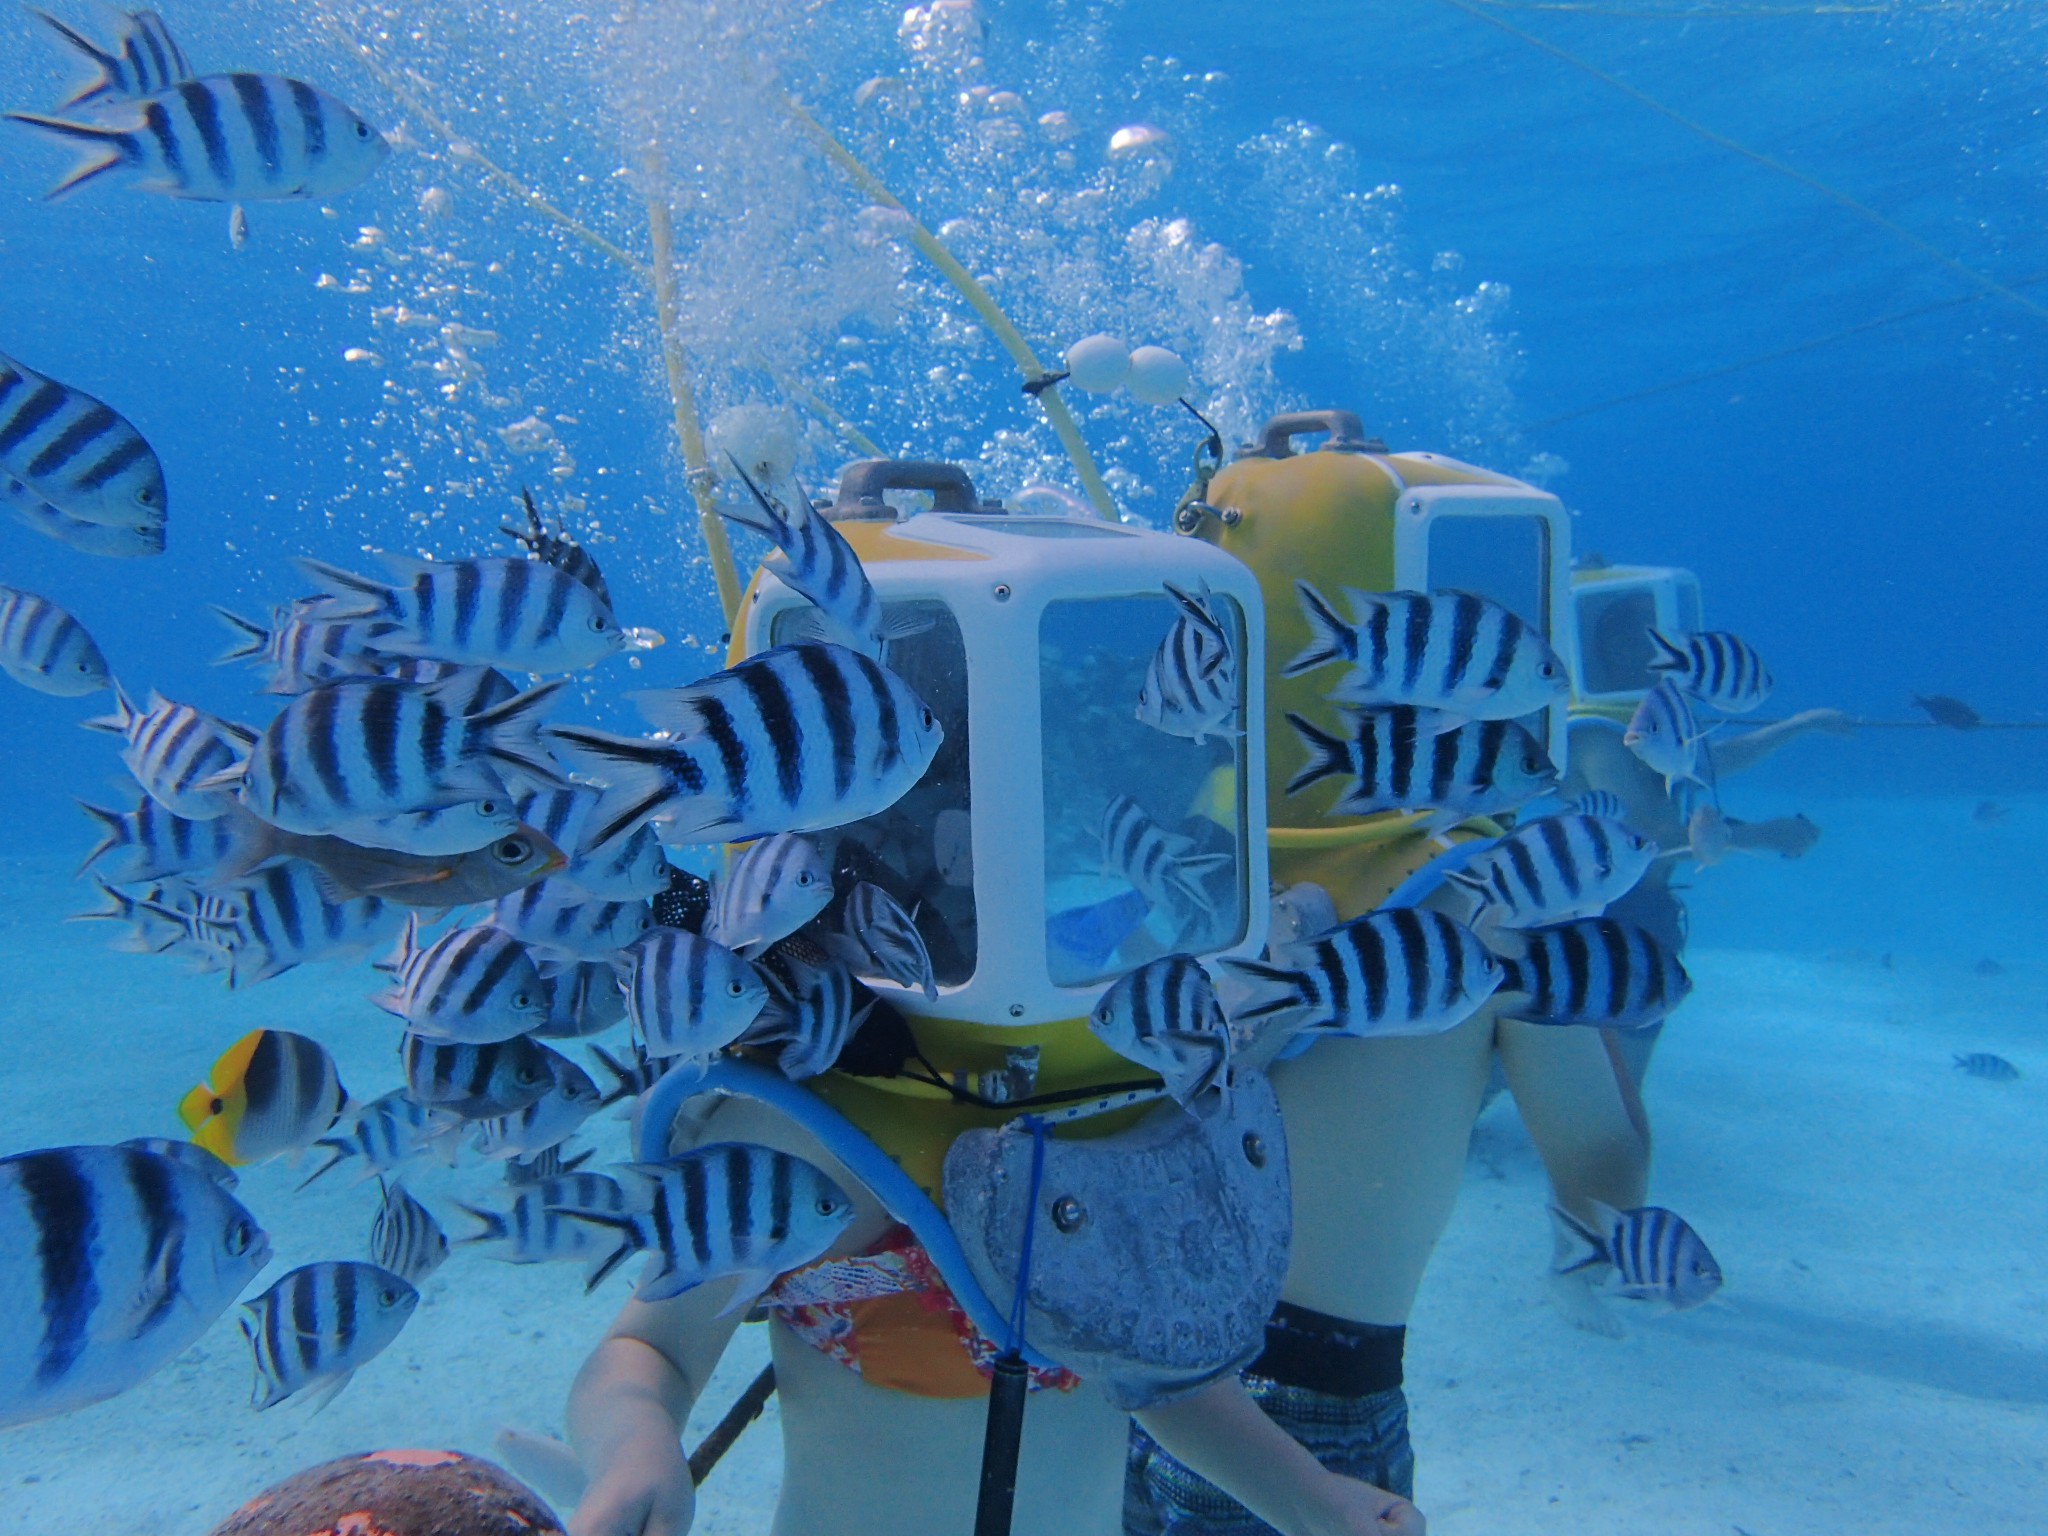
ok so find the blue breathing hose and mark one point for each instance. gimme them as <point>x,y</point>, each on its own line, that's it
<point>896,1190</point>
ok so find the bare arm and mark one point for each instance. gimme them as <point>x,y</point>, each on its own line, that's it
<point>1223,1435</point>
<point>1737,753</point>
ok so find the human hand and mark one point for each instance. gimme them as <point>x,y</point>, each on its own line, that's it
<point>1352,1507</point>
<point>643,1490</point>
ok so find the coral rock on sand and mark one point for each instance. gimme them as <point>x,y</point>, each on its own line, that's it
<point>395,1493</point>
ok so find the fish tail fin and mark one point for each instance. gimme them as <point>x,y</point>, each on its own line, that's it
<point>103,148</point>
<point>114,834</point>
<point>120,721</point>
<point>1328,755</point>
<point>636,771</point>
<point>632,1238</point>
<point>511,734</point>
<point>251,638</point>
<point>491,1225</point>
<point>1579,1246</point>
<point>347,595</point>
<point>339,1154</point>
<point>1270,990</point>
<point>622,1078</point>
<point>1669,657</point>
<point>1329,635</point>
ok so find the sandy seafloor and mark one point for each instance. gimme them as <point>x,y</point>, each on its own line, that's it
<point>1880,1364</point>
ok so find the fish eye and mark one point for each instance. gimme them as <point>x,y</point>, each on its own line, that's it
<point>388,1297</point>
<point>241,1237</point>
<point>362,130</point>
<point>146,495</point>
<point>827,1206</point>
<point>522,1000</point>
<point>599,623</point>
<point>804,877</point>
<point>487,807</point>
<point>926,718</point>
<point>735,988</point>
<point>514,850</point>
<point>1548,671</point>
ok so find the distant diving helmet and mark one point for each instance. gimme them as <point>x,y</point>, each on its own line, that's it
<point>1616,607</point>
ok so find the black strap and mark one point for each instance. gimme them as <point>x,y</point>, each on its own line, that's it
<point>1330,1354</point>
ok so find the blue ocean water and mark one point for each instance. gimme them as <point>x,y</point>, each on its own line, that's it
<point>1791,343</point>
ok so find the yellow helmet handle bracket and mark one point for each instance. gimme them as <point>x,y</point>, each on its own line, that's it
<point>1347,433</point>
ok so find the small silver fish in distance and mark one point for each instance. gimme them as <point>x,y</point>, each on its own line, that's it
<point>77,454</point>
<point>1604,803</point>
<point>1666,735</point>
<point>1404,971</point>
<point>583,999</point>
<point>1654,1254</point>
<point>533,1229</point>
<point>405,1238</point>
<point>1554,869</point>
<point>239,138</point>
<point>384,747</point>
<point>810,1011</point>
<point>174,750</point>
<point>1993,1069</point>
<point>152,933</point>
<point>286,916</point>
<point>1159,865</point>
<point>151,843</point>
<point>878,941</point>
<point>491,611</point>
<point>628,867</point>
<point>1191,683</point>
<point>688,996</point>
<point>731,1208</point>
<point>1164,1016</point>
<point>561,922</point>
<point>387,1133</point>
<point>547,1122</point>
<point>773,888</point>
<point>321,1323</point>
<point>815,560</point>
<point>100,539</point>
<point>1451,655</point>
<point>1721,670</point>
<point>44,648</point>
<point>548,1163</point>
<point>302,649</point>
<point>1597,972</point>
<point>1479,768</point>
<point>113,1261</point>
<point>190,1153</point>
<point>797,739</point>
<point>477,1082</point>
<point>146,59</point>
<point>460,828</point>
<point>471,986</point>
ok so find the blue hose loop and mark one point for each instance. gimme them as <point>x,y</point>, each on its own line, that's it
<point>897,1192</point>
<point>1019,1303</point>
<point>1423,884</point>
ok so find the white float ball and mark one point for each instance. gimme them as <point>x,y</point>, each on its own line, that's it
<point>1158,377</point>
<point>1098,364</point>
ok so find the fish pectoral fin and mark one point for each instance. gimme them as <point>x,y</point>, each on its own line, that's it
<point>321,1393</point>
<point>1432,723</point>
<point>748,1286</point>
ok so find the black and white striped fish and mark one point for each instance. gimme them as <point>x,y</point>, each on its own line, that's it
<point>1719,669</point>
<point>811,1010</point>
<point>1597,972</point>
<point>471,986</point>
<point>387,1134</point>
<point>45,648</point>
<point>1993,1069</point>
<point>1554,869</point>
<point>146,59</point>
<point>113,1261</point>
<point>382,747</point>
<point>1164,1016</point>
<point>558,548</point>
<point>815,560</point>
<point>1191,683</point>
<point>878,941</point>
<point>1476,769</point>
<point>405,1238</point>
<point>1159,865</point>
<point>561,922</point>
<point>152,933</point>
<point>547,1122</point>
<point>477,1082</point>
<point>1666,735</point>
<point>102,539</point>
<point>77,454</point>
<point>534,1228</point>
<point>1654,1254</point>
<point>628,867</point>
<point>318,1325</point>
<point>302,649</point>
<point>548,1163</point>
<point>731,1208</point>
<point>1404,971</point>
<point>686,995</point>
<point>583,999</point>
<point>285,916</point>
<point>773,888</point>
<point>174,749</point>
<point>1604,803</point>
<point>797,739</point>
<point>1450,655</point>
<point>491,611</point>
<point>239,138</point>
<point>463,827</point>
